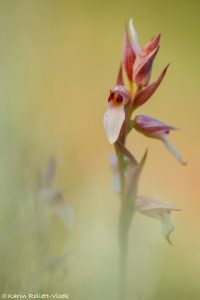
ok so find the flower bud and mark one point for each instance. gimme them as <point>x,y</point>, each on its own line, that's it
<point>144,57</point>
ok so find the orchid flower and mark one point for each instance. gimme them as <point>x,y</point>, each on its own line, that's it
<point>138,61</point>
<point>156,129</point>
<point>155,209</point>
<point>52,198</point>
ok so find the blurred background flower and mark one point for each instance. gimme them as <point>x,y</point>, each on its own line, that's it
<point>57,63</point>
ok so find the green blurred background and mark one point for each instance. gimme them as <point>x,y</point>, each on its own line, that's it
<point>58,60</point>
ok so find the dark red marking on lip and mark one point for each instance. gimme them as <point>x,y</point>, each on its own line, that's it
<point>111,97</point>
<point>115,98</point>
<point>119,98</point>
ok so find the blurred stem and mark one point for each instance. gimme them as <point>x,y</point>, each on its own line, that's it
<point>120,158</point>
<point>125,216</point>
<point>127,206</point>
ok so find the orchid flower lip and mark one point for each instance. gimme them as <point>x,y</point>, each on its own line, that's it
<point>115,115</point>
<point>113,120</point>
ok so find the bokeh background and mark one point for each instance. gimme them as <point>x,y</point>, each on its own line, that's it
<point>58,60</point>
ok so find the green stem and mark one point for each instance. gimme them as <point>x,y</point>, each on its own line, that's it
<point>120,158</point>
<point>127,206</point>
<point>124,225</point>
<point>125,216</point>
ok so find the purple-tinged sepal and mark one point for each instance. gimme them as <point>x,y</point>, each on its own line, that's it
<point>155,209</point>
<point>156,129</point>
<point>151,127</point>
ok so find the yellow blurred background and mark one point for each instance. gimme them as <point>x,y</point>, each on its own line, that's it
<point>58,60</point>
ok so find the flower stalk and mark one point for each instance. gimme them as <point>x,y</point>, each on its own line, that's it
<point>128,193</point>
<point>125,218</point>
<point>137,63</point>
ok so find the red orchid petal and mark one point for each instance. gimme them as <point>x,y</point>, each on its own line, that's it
<point>142,72</point>
<point>120,80</point>
<point>152,44</point>
<point>128,56</point>
<point>143,95</point>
